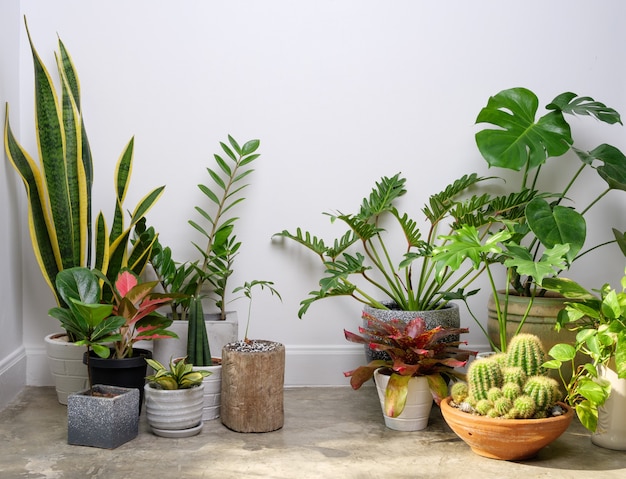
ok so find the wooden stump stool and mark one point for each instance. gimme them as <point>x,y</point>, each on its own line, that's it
<point>253,377</point>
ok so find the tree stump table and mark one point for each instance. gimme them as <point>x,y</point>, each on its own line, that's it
<point>253,377</point>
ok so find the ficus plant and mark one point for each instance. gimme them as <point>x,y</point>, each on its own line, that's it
<point>59,186</point>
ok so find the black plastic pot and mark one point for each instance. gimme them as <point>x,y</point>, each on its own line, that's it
<point>125,372</point>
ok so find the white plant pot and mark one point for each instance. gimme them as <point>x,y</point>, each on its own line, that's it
<point>65,360</point>
<point>212,391</point>
<point>419,403</point>
<point>174,413</point>
<point>219,332</point>
<point>611,431</point>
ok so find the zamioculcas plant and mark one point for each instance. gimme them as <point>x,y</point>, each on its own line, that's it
<point>215,267</point>
<point>59,187</point>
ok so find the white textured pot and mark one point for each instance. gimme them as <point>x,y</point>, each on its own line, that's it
<point>611,431</point>
<point>212,390</point>
<point>65,360</point>
<point>419,403</point>
<point>174,413</point>
<point>220,332</point>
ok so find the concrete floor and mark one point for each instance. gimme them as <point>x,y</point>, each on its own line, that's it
<point>328,432</point>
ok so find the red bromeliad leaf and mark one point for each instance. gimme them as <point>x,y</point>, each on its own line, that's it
<point>355,338</point>
<point>415,327</point>
<point>438,387</point>
<point>395,394</point>
<point>362,374</point>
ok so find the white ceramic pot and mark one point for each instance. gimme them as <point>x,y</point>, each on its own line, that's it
<point>212,390</point>
<point>174,413</point>
<point>611,431</point>
<point>65,360</point>
<point>419,403</point>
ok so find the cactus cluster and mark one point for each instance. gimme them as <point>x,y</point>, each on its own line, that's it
<point>511,385</point>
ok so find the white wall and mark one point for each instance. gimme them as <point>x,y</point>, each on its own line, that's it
<point>12,352</point>
<point>340,93</point>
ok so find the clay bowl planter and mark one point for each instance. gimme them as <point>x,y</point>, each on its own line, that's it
<point>505,439</point>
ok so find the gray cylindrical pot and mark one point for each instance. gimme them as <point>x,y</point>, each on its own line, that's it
<point>173,410</point>
<point>448,317</point>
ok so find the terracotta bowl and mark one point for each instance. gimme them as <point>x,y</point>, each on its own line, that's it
<point>505,439</point>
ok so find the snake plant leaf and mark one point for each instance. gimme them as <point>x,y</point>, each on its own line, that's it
<point>102,244</point>
<point>396,394</point>
<point>556,225</point>
<point>123,169</point>
<point>39,223</point>
<point>520,141</point>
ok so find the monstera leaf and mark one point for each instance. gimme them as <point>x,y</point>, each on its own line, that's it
<point>519,138</point>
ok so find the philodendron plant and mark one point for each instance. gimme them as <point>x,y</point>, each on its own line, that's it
<point>59,188</point>
<point>361,263</point>
<point>517,139</point>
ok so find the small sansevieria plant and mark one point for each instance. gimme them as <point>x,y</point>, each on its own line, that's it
<point>180,375</point>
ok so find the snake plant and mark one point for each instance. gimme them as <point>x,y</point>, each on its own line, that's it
<point>59,186</point>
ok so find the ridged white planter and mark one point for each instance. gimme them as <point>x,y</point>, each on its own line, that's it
<point>611,431</point>
<point>419,403</point>
<point>212,391</point>
<point>177,410</point>
<point>65,360</point>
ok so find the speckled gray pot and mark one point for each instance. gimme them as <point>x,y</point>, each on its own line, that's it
<point>106,422</point>
<point>448,317</point>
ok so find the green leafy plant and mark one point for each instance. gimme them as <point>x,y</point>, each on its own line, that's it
<point>59,187</point>
<point>483,249</point>
<point>180,375</point>
<point>409,283</point>
<point>89,321</point>
<point>600,323</point>
<point>246,288</point>
<point>517,139</point>
<point>413,351</point>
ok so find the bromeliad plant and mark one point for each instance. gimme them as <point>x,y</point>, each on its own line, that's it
<point>413,351</point>
<point>600,322</point>
<point>180,375</point>
<point>59,187</point>
<point>408,282</point>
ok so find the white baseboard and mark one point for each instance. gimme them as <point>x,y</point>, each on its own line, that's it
<point>12,375</point>
<point>305,365</point>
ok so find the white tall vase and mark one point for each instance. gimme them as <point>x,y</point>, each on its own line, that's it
<point>611,431</point>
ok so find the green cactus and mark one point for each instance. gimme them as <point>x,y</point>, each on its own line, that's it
<point>526,351</point>
<point>483,407</point>
<point>459,392</point>
<point>543,390</point>
<point>482,375</point>
<point>525,407</point>
<point>502,405</point>
<point>494,394</point>
<point>513,374</point>
<point>511,390</point>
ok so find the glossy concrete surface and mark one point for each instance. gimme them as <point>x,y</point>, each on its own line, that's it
<point>328,433</point>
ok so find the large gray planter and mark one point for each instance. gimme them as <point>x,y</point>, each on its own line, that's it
<point>103,421</point>
<point>65,360</point>
<point>448,317</point>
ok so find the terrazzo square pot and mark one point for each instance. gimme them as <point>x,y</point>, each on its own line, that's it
<point>106,420</point>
